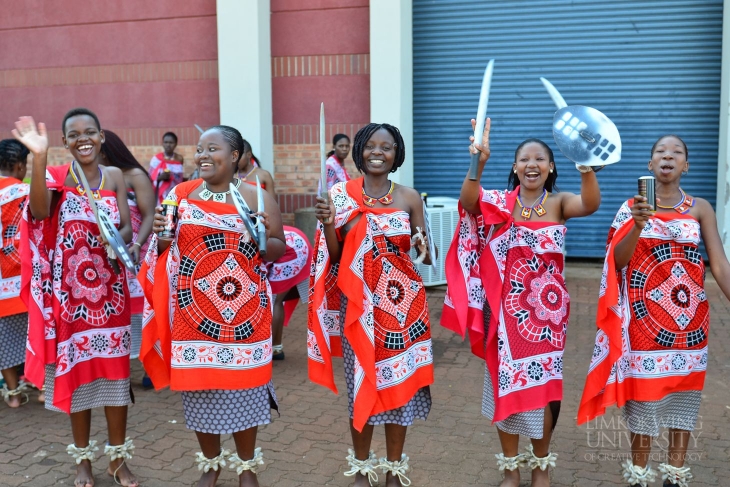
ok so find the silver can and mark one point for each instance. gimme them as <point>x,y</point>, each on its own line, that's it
<point>647,189</point>
<point>169,211</point>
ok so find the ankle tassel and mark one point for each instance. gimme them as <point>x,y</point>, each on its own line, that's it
<point>397,468</point>
<point>81,454</point>
<point>542,463</point>
<point>123,451</point>
<point>242,465</point>
<point>509,463</point>
<point>634,474</point>
<point>206,464</point>
<point>20,390</point>
<point>366,468</point>
<point>676,475</point>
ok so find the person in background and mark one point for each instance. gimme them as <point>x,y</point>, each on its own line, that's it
<point>13,313</point>
<point>166,168</point>
<point>79,336</point>
<point>292,269</point>
<point>141,199</point>
<point>336,171</point>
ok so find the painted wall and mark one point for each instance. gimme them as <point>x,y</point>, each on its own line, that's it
<point>320,52</point>
<point>144,67</point>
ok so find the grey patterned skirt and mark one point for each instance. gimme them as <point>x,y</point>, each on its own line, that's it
<point>136,330</point>
<point>101,392</point>
<point>13,335</point>
<point>678,410</point>
<point>528,423</point>
<point>219,411</point>
<point>417,408</point>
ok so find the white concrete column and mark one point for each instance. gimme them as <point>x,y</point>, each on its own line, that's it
<point>391,73</point>
<point>723,149</point>
<point>244,72</point>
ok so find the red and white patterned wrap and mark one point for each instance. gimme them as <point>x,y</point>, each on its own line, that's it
<point>506,287</point>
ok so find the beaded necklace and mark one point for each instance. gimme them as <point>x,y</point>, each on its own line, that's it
<point>684,204</point>
<point>207,194</point>
<point>95,192</point>
<point>536,205</point>
<point>386,199</point>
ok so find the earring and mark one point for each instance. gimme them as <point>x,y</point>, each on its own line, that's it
<point>551,171</point>
<point>515,171</point>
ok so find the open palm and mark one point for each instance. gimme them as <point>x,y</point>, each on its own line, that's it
<point>34,138</point>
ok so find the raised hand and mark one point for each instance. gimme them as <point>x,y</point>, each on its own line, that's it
<point>34,138</point>
<point>324,210</point>
<point>482,147</point>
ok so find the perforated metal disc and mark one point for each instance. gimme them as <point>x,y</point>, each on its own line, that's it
<point>112,236</point>
<point>244,212</point>
<point>586,136</point>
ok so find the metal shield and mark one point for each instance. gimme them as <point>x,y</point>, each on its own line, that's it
<point>586,136</point>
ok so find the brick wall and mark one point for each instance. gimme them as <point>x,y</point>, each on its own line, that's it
<point>320,53</point>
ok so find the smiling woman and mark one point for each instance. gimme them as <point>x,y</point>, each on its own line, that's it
<point>372,306</point>
<point>215,346</point>
<point>81,351</point>
<point>516,237</point>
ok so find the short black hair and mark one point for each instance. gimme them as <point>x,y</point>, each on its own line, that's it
<point>74,112</point>
<point>686,151</point>
<point>551,181</point>
<point>363,135</point>
<point>170,134</point>
<point>233,137</point>
<point>12,152</point>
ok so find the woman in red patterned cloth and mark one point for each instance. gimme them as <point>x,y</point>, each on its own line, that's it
<point>292,268</point>
<point>13,313</point>
<point>207,327</point>
<point>369,305</point>
<point>336,171</point>
<point>504,272</point>
<point>141,199</point>
<point>650,354</point>
<point>78,335</point>
<point>166,168</point>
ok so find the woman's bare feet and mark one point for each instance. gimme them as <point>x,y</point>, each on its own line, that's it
<point>121,473</point>
<point>540,478</point>
<point>392,480</point>
<point>248,479</point>
<point>511,479</point>
<point>14,401</point>
<point>209,478</point>
<point>84,477</point>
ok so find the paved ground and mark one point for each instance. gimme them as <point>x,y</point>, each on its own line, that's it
<point>307,445</point>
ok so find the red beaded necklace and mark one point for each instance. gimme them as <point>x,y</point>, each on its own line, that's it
<point>385,199</point>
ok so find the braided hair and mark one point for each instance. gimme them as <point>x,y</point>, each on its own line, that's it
<point>247,147</point>
<point>234,139</point>
<point>117,154</point>
<point>550,183</point>
<point>12,152</point>
<point>363,136</point>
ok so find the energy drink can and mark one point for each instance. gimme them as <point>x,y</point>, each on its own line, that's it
<point>647,189</point>
<point>169,211</point>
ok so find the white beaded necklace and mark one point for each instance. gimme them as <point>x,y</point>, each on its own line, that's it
<point>207,194</point>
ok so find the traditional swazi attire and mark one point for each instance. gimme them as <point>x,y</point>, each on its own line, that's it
<point>336,173</point>
<point>136,293</point>
<point>371,307</point>
<point>207,319</point>
<point>158,165</point>
<point>505,285</point>
<point>650,354</point>
<point>292,269</point>
<point>78,337</point>
<point>13,313</point>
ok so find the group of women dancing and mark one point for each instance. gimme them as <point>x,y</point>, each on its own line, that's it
<point>211,308</point>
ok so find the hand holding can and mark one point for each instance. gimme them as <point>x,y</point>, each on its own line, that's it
<point>169,212</point>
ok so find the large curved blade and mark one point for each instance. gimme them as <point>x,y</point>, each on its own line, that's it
<point>554,94</point>
<point>481,119</point>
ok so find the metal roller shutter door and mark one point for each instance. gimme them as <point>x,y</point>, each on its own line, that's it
<point>652,66</point>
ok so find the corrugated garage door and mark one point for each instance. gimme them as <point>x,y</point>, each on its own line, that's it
<point>652,66</point>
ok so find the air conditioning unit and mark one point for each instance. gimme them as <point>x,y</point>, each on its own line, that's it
<point>443,214</point>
